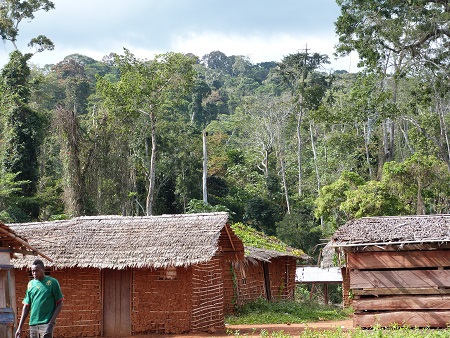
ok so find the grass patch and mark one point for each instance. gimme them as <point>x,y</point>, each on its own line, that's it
<point>377,332</point>
<point>264,312</point>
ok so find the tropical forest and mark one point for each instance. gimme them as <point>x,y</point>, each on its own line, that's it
<point>286,147</point>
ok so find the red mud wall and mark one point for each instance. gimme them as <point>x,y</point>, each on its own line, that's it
<point>207,296</point>
<point>248,283</point>
<point>252,286</point>
<point>282,277</point>
<point>81,315</point>
<point>161,305</point>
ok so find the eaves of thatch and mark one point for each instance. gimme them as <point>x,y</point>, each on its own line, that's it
<point>393,230</point>
<point>17,244</point>
<point>253,255</point>
<point>260,247</point>
<point>120,242</point>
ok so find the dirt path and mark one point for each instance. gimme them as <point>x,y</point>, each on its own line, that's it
<point>255,330</point>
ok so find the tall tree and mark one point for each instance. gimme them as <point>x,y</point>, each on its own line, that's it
<point>390,37</point>
<point>19,128</point>
<point>13,12</point>
<point>20,125</point>
<point>391,32</point>
<point>144,89</point>
<point>72,78</point>
<point>296,71</point>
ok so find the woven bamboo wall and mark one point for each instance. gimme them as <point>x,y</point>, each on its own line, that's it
<point>207,296</point>
<point>229,290</point>
<point>161,306</point>
<point>251,284</point>
<point>282,277</point>
<point>82,312</point>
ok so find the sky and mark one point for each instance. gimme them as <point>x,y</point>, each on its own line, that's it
<point>262,30</point>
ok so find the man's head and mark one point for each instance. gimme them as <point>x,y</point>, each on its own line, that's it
<point>38,269</point>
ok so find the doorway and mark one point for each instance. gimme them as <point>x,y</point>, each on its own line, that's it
<point>116,302</point>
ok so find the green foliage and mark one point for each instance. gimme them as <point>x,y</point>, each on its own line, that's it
<point>372,199</point>
<point>377,30</point>
<point>421,181</point>
<point>379,332</point>
<point>415,186</point>
<point>328,204</point>
<point>11,202</point>
<point>277,134</point>
<point>264,312</point>
<point>12,12</point>
<point>20,132</point>
<point>263,214</point>
<point>251,237</point>
<point>300,230</point>
<point>196,206</point>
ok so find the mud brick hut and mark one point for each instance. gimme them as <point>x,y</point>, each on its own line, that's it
<point>264,274</point>
<point>398,269</point>
<point>124,276</point>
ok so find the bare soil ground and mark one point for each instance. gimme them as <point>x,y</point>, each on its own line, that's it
<point>255,330</point>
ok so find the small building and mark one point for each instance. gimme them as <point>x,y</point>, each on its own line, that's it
<point>397,269</point>
<point>125,276</point>
<point>313,275</point>
<point>264,274</point>
<point>268,271</point>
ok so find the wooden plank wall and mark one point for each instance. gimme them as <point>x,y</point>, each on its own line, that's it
<point>400,287</point>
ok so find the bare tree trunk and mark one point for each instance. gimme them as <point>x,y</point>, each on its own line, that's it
<point>299,152</point>
<point>366,144</point>
<point>420,205</point>
<point>152,170</point>
<point>284,182</point>
<point>315,156</point>
<point>205,167</point>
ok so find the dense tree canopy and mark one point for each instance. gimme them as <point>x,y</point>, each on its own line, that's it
<point>292,150</point>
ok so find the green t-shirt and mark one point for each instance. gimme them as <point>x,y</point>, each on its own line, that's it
<point>42,297</point>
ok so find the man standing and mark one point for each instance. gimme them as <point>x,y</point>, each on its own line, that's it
<point>43,300</point>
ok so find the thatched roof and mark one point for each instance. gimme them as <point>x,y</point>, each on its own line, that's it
<point>17,244</point>
<point>261,247</point>
<point>120,242</point>
<point>254,255</point>
<point>394,230</point>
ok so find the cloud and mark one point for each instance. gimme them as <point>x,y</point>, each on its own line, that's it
<point>257,47</point>
<point>263,30</point>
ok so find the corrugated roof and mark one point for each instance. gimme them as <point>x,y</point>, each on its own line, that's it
<point>120,242</point>
<point>316,274</point>
<point>394,230</point>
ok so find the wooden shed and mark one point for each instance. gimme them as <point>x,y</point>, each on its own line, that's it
<point>124,276</point>
<point>397,269</point>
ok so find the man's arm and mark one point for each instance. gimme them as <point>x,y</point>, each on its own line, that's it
<point>58,309</point>
<point>25,311</point>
